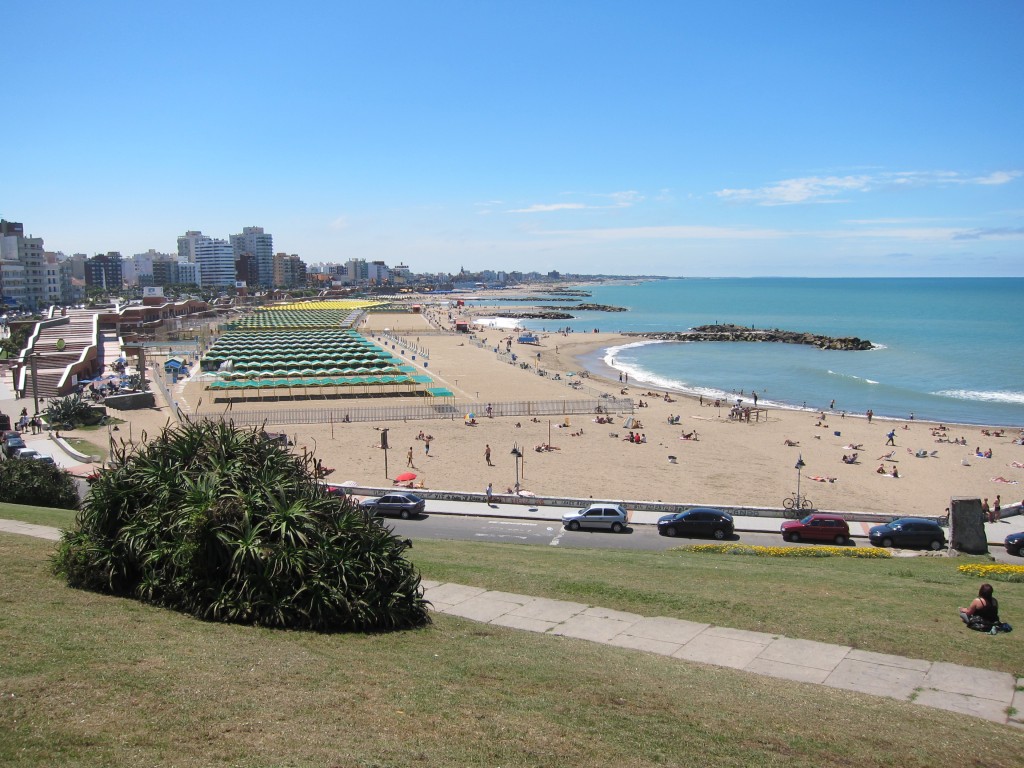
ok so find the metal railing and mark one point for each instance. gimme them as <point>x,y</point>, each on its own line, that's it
<point>439,410</point>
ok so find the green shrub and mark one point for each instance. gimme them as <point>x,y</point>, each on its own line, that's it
<point>216,522</point>
<point>27,481</point>
<point>66,412</point>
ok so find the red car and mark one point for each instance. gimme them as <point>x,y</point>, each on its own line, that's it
<point>819,526</point>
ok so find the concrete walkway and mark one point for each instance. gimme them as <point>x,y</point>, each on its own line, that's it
<point>967,690</point>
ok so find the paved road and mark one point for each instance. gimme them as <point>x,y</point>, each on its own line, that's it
<point>550,533</point>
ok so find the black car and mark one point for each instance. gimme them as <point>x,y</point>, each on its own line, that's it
<point>404,505</point>
<point>909,532</point>
<point>1015,544</point>
<point>700,521</point>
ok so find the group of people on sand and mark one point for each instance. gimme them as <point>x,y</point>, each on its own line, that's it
<point>882,471</point>
<point>635,437</point>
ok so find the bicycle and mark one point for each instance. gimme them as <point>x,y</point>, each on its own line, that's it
<point>794,504</point>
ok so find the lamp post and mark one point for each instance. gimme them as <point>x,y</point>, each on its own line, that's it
<point>34,359</point>
<point>799,466</point>
<point>517,454</point>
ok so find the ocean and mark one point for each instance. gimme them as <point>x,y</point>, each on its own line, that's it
<point>946,349</point>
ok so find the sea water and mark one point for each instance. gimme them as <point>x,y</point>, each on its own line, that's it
<point>945,349</point>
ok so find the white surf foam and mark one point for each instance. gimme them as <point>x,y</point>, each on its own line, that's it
<point>983,396</point>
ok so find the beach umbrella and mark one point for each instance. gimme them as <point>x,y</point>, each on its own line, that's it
<point>405,477</point>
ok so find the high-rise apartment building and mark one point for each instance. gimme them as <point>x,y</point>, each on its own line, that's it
<point>138,270</point>
<point>255,241</point>
<point>216,260</point>
<point>104,271</point>
<point>289,271</point>
<point>22,267</point>
<point>215,257</point>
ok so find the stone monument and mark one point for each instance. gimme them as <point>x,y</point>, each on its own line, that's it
<point>967,526</point>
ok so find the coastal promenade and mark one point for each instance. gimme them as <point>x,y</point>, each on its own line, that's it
<point>990,695</point>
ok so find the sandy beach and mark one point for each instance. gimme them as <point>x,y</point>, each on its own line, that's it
<point>730,463</point>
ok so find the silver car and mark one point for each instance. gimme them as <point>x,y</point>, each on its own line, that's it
<point>610,516</point>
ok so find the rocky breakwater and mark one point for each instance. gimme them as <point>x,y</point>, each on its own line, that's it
<point>533,314</point>
<point>730,332</point>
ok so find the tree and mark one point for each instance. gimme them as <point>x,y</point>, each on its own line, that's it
<point>39,483</point>
<point>219,523</point>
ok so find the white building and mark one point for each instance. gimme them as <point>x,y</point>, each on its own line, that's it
<point>25,285</point>
<point>214,257</point>
<point>216,260</point>
<point>138,270</point>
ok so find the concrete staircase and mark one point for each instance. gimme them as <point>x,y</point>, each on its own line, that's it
<point>49,362</point>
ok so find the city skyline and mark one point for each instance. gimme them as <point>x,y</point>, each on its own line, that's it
<point>727,140</point>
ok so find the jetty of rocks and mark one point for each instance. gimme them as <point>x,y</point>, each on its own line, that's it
<point>730,332</point>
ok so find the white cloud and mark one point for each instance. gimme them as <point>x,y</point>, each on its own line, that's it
<point>339,222</point>
<point>813,189</point>
<point>679,232</point>
<point>624,199</point>
<point>998,177</point>
<point>991,233</point>
<point>547,207</point>
<point>828,189</point>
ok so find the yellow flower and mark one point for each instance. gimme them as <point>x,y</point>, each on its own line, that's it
<point>759,551</point>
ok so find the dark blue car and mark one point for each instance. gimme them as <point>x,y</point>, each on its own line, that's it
<point>700,521</point>
<point>909,533</point>
<point>1015,544</point>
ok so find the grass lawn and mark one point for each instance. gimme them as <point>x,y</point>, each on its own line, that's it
<point>903,606</point>
<point>58,518</point>
<point>87,447</point>
<point>88,680</point>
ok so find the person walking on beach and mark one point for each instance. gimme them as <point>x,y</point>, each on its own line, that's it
<point>891,437</point>
<point>871,415</point>
<point>755,398</point>
<point>426,447</point>
<point>490,493</point>
<point>408,457</point>
<point>997,508</point>
<point>487,455</point>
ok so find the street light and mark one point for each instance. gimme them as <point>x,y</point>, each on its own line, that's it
<point>517,455</point>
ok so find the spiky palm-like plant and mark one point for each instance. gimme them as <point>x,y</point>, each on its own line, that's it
<point>217,522</point>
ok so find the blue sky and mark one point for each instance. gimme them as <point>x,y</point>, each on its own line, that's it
<point>731,138</point>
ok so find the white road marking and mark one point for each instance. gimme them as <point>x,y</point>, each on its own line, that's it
<point>500,536</point>
<point>554,541</point>
<point>504,522</point>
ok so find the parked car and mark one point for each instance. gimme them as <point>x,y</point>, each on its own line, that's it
<point>404,505</point>
<point>699,521</point>
<point>610,516</point>
<point>818,526</point>
<point>12,444</point>
<point>44,457</point>
<point>26,453</point>
<point>1015,544</point>
<point>908,532</point>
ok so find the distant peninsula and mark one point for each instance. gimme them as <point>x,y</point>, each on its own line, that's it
<point>730,332</point>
